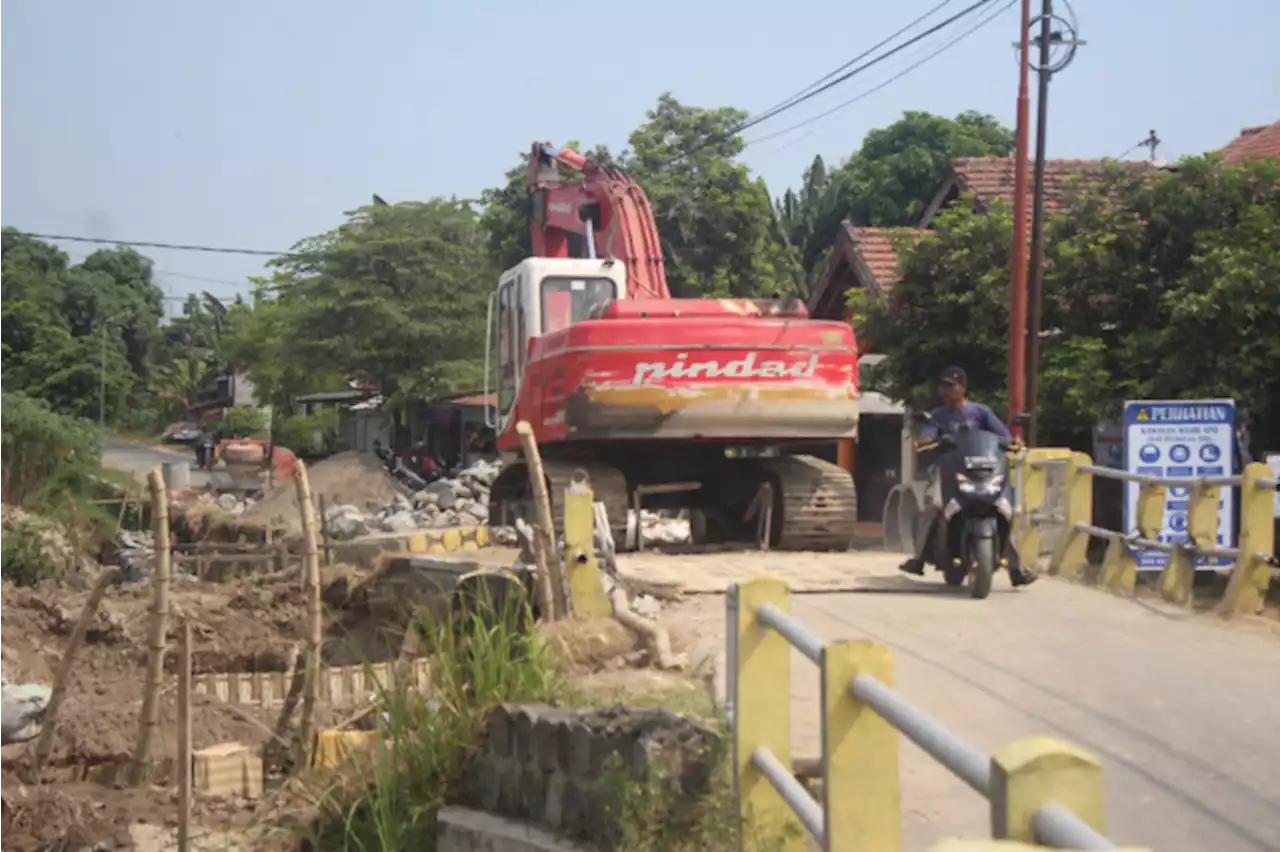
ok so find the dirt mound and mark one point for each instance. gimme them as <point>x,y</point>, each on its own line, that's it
<point>353,479</point>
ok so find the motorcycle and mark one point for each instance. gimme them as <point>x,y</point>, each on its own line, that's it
<point>977,516</point>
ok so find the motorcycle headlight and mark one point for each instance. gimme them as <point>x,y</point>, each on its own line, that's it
<point>997,480</point>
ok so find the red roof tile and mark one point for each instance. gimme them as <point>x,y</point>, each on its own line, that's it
<point>990,178</point>
<point>1254,143</point>
<point>860,257</point>
<point>876,248</point>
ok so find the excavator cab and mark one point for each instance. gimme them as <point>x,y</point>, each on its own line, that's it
<point>536,297</point>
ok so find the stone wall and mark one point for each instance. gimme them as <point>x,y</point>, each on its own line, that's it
<point>572,771</point>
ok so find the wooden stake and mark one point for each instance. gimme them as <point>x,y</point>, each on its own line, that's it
<point>124,507</point>
<point>87,613</point>
<point>184,739</point>
<point>159,617</point>
<point>544,535</point>
<point>311,583</point>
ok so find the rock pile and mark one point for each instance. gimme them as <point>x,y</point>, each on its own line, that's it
<point>659,529</point>
<point>461,501</point>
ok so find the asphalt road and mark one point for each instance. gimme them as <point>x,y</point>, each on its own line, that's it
<point>1181,709</point>
<point>140,460</point>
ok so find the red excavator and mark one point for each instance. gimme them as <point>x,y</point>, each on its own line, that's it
<point>664,402</point>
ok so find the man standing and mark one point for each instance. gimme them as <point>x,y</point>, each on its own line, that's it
<point>956,414</point>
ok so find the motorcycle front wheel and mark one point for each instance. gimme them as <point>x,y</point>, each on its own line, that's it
<point>982,562</point>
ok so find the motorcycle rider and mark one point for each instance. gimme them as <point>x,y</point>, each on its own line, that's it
<point>956,414</point>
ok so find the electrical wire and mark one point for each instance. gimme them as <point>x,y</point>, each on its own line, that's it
<point>764,114</point>
<point>861,95</point>
<point>172,246</point>
<point>847,75</point>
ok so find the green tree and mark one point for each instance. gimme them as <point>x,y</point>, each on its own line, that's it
<point>892,177</point>
<point>394,297</point>
<point>715,221</point>
<point>1157,285</point>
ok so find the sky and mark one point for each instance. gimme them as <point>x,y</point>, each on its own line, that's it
<point>256,124</point>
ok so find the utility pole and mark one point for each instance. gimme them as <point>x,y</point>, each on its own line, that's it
<point>1045,70</point>
<point>1018,262</point>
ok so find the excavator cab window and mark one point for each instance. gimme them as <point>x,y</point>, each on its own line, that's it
<point>567,300</point>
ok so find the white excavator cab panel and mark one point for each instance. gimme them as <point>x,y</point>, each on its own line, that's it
<point>537,296</point>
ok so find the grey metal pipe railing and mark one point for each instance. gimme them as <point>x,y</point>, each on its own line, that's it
<point>1267,484</point>
<point>963,760</point>
<point>1175,481</point>
<point>792,792</point>
<point>1043,463</point>
<point>1059,828</point>
<point>800,637</point>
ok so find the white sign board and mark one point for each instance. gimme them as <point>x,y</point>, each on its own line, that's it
<point>1273,461</point>
<point>1183,439</point>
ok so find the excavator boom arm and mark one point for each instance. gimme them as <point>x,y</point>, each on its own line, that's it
<point>604,207</point>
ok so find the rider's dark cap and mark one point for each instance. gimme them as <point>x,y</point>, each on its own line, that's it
<point>954,376</point>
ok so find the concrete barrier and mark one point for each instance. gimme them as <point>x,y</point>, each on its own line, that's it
<point>366,551</point>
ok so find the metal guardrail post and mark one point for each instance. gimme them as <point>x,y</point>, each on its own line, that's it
<point>730,653</point>
<point>1071,558</point>
<point>862,800</point>
<point>1247,589</point>
<point>762,718</point>
<point>1030,775</point>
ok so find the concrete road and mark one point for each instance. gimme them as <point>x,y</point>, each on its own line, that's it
<point>139,459</point>
<point>1182,710</point>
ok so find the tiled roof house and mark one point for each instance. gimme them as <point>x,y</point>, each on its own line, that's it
<point>989,178</point>
<point>1254,143</point>
<point>860,257</point>
<point>865,257</point>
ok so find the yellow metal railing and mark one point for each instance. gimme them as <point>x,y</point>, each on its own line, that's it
<point>1253,557</point>
<point>1040,791</point>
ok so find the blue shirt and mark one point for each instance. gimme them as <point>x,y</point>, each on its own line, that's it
<point>971,416</point>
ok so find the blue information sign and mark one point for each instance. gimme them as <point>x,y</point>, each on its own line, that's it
<point>1180,438</point>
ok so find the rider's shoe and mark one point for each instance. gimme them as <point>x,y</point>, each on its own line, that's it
<point>1022,578</point>
<point>913,566</point>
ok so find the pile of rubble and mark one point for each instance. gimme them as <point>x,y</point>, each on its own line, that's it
<point>457,502</point>
<point>660,529</point>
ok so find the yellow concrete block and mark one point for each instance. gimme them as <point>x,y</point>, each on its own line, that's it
<point>762,719</point>
<point>1072,555</point>
<point>1028,774</point>
<point>418,543</point>
<point>1251,577</point>
<point>452,539</point>
<point>862,799</point>
<point>1119,568</point>
<point>1002,846</point>
<point>227,769</point>
<point>331,748</point>
<point>586,587</point>
<point>1151,505</point>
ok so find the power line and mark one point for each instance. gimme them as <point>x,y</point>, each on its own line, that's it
<point>764,114</point>
<point>172,246</point>
<point>847,75</point>
<point>860,96</point>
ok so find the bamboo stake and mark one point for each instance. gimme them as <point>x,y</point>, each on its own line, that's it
<point>544,535</point>
<point>311,583</point>
<point>184,739</point>
<point>124,507</point>
<point>87,613</point>
<point>159,617</point>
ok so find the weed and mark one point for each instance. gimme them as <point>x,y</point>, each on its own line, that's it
<point>388,799</point>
